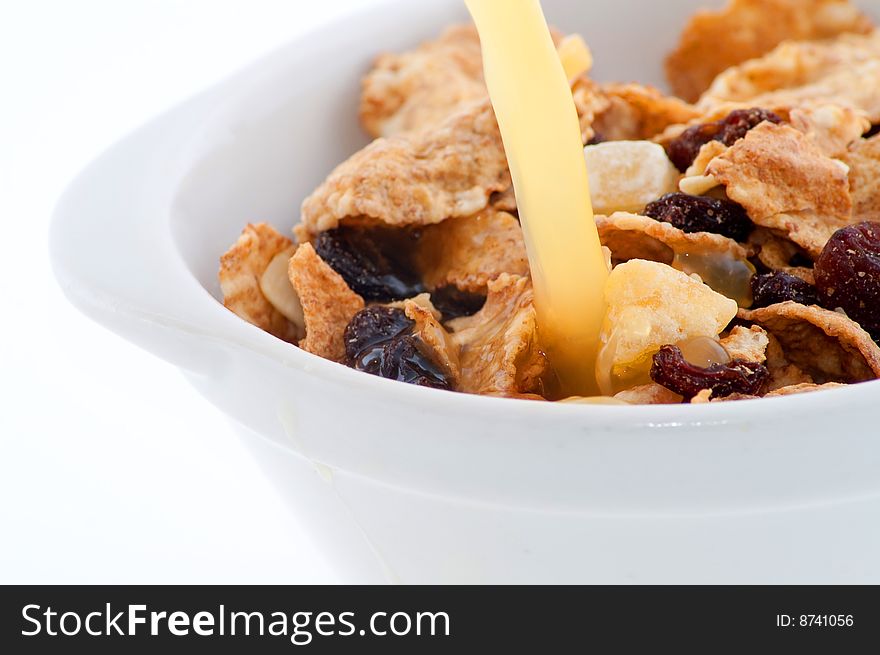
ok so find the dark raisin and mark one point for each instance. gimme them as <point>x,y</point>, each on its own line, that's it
<point>404,358</point>
<point>701,214</point>
<point>771,288</point>
<point>800,259</point>
<point>370,328</point>
<point>873,131</point>
<point>373,263</point>
<point>380,341</point>
<point>684,149</point>
<point>848,274</point>
<point>451,302</point>
<point>596,139</point>
<point>671,370</point>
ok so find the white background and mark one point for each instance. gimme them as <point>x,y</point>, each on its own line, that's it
<point>112,469</point>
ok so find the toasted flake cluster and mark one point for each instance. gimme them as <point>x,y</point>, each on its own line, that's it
<point>470,251</point>
<point>713,41</point>
<point>419,89</point>
<point>327,301</point>
<point>785,183</point>
<point>841,71</point>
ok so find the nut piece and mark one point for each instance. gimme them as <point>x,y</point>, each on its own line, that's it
<point>627,175</point>
<point>241,270</point>
<point>276,286</point>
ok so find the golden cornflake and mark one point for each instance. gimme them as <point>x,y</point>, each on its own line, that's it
<point>826,345</point>
<point>785,183</point>
<point>327,301</point>
<point>499,352</point>
<point>714,40</point>
<point>470,251</point>
<point>864,179</point>
<point>420,89</point>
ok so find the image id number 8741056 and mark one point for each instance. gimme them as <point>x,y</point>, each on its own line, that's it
<point>814,620</point>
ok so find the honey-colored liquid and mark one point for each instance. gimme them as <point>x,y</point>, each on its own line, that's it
<point>532,99</point>
<point>726,274</point>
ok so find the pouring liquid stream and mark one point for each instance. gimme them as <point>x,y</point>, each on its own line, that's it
<point>539,126</point>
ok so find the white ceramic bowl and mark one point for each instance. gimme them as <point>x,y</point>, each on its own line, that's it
<point>416,485</point>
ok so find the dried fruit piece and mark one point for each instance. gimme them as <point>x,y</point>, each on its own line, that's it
<point>674,372</point>
<point>683,150</point>
<point>452,302</point>
<point>848,274</point>
<point>575,56</point>
<point>701,214</point>
<point>771,288</point>
<point>370,327</point>
<point>380,341</point>
<point>651,304</point>
<point>626,175</point>
<point>370,263</point>
<point>404,359</point>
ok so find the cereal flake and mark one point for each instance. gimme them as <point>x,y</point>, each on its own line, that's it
<point>785,183</point>
<point>499,347</point>
<point>327,301</point>
<point>826,345</point>
<point>470,251</point>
